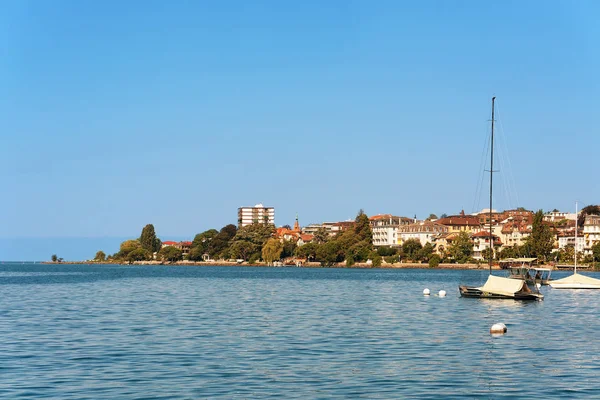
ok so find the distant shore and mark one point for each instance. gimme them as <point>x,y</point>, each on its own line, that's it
<point>261,264</point>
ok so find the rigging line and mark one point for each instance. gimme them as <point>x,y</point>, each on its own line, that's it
<point>481,174</point>
<point>502,161</point>
<point>510,169</point>
<point>503,167</point>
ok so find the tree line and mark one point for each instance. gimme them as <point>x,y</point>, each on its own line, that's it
<point>256,242</point>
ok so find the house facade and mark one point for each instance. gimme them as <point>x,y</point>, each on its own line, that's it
<point>424,231</point>
<point>591,232</point>
<point>385,228</point>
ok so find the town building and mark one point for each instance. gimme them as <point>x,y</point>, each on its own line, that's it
<point>481,242</point>
<point>461,223</point>
<point>567,238</point>
<point>556,216</point>
<point>385,228</point>
<point>591,232</point>
<point>424,231</point>
<point>184,246</point>
<point>258,214</point>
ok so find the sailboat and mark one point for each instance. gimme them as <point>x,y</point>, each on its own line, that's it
<point>497,287</point>
<point>576,281</point>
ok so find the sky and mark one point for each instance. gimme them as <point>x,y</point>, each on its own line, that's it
<point>118,114</point>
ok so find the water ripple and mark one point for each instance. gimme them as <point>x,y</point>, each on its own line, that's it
<point>105,332</point>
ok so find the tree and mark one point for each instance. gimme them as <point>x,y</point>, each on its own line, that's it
<point>321,236</point>
<point>100,256</point>
<point>170,253</point>
<point>386,251</point>
<point>432,216</point>
<point>411,249</point>
<point>596,251</point>
<point>308,251</point>
<point>200,244</point>
<point>426,252</point>
<point>289,247</point>
<point>487,253</point>
<point>148,239</point>
<point>541,239</point>
<point>127,247</point>
<point>139,254</point>
<point>219,243</point>
<point>242,249</point>
<point>330,253</point>
<point>444,215</point>
<point>362,227</point>
<point>272,250</point>
<point>54,258</point>
<point>461,248</point>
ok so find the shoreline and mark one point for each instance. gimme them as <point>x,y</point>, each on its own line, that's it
<point>264,265</point>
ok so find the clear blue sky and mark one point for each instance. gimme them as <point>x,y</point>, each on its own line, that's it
<point>117,114</point>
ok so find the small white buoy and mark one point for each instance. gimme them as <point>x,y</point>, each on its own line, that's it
<point>426,292</point>
<point>498,328</point>
<point>442,293</point>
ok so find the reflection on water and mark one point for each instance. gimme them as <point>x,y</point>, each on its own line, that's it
<point>202,332</point>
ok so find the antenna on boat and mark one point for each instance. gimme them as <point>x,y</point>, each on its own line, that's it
<point>491,186</point>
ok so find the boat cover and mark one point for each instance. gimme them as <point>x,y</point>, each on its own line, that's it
<point>503,286</point>
<point>576,279</point>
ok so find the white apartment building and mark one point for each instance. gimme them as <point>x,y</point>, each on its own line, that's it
<point>258,214</point>
<point>591,232</point>
<point>567,239</point>
<point>385,228</point>
<point>425,232</point>
<point>556,216</point>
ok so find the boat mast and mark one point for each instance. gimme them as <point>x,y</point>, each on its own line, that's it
<point>491,181</point>
<point>576,223</point>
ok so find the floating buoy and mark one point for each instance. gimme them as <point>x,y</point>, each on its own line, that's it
<point>426,292</point>
<point>442,293</point>
<point>499,328</point>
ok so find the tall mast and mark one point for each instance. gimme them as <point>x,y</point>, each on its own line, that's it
<point>491,185</point>
<point>576,223</point>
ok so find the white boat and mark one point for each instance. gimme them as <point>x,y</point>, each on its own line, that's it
<point>576,281</point>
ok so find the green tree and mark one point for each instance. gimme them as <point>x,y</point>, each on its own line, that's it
<point>218,244</point>
<point>241,249</point>
<point>54,258</point>
<point>138,254</point>
<point>426,252</point>
<point>541,239</point>
<point>412,248</point>
<point>148,239</point>
<point>272,250</point>
<point>127,247</point>
<point>487,253</point>
<point>461,248</point>
<point>596,251</point>
<point>321,236</point>
<point>386,251</point>
<point>289,247</point>
<point>201,243</point>
<point>362,227</point>
<point>330,253</point>
<point>308,251</point>
<point>170,253</point>
<point>100,256</point>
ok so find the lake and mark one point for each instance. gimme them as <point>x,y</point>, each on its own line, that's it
<point>132,332</point>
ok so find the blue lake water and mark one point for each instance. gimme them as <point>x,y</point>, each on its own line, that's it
<point>118,332</point>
